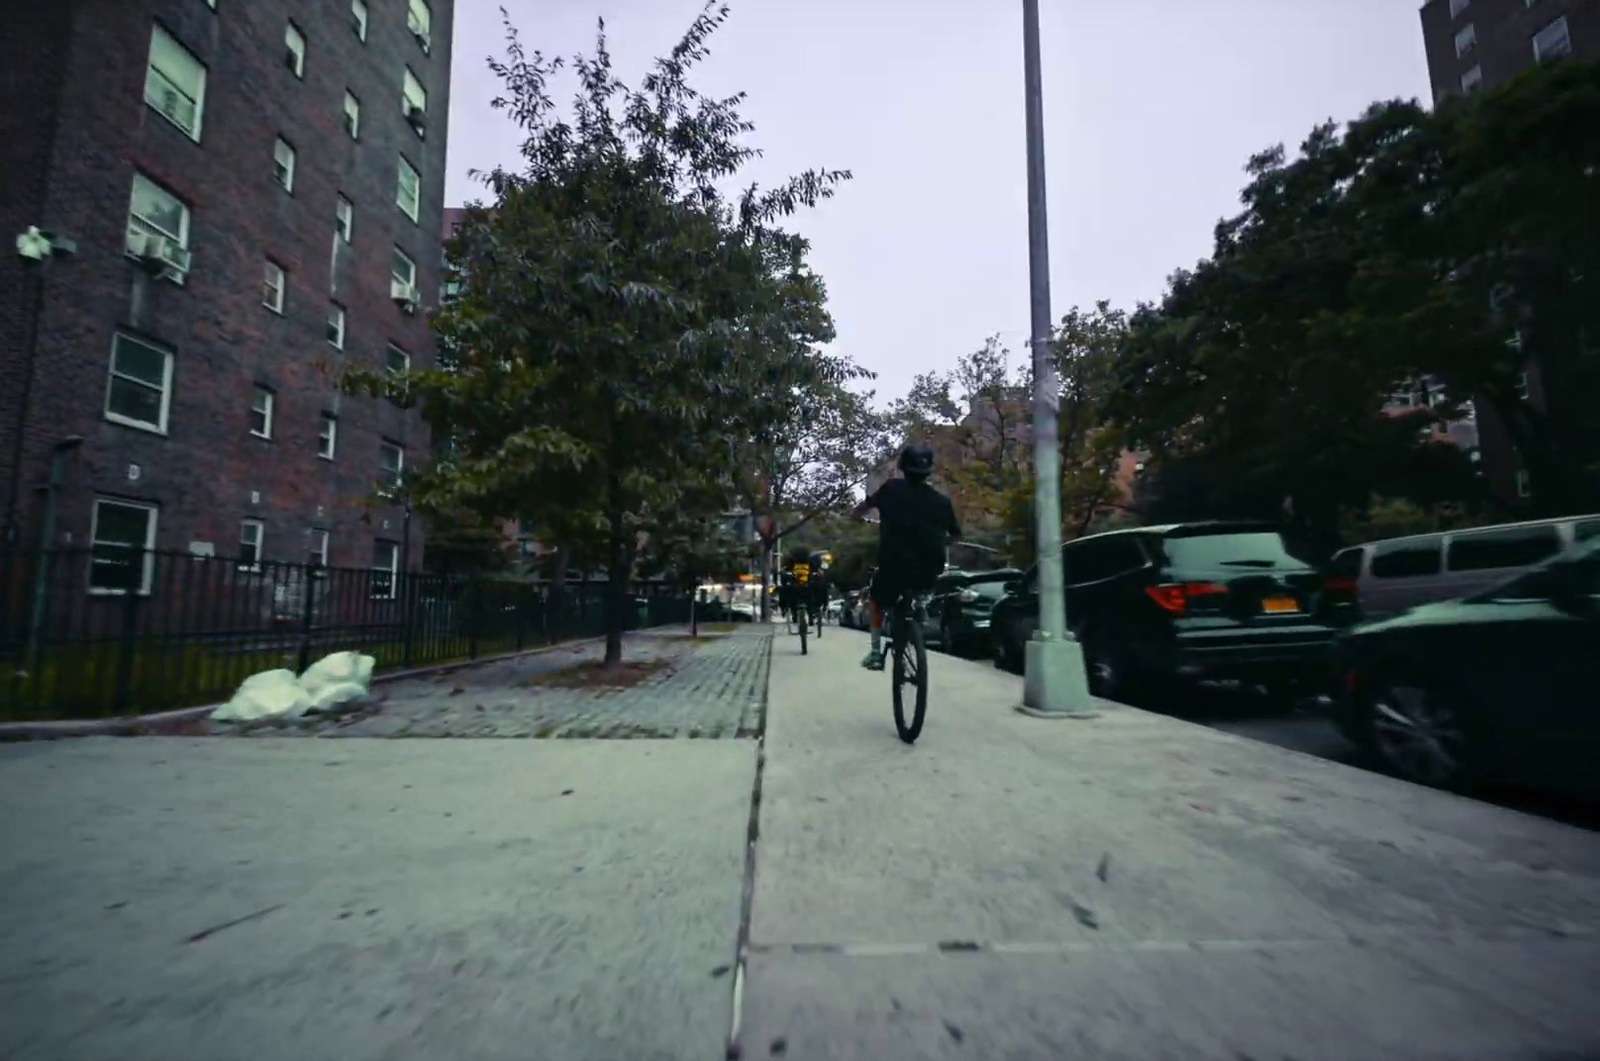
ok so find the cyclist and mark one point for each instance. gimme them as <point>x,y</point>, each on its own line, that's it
<point>796,581</point>
<point>818,585</point>
<point>916,523</point>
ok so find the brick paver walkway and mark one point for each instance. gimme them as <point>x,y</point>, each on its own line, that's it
<point>711,688</point>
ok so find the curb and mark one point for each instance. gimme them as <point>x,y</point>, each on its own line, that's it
<point>140,725</point>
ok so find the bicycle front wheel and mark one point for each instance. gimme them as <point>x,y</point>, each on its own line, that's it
<point>805,623</point>
<point>910,677</point>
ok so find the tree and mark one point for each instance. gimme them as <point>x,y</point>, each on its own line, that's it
<point>1367,262</point>
<point>600,368</point>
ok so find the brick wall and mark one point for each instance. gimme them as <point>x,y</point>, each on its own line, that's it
<point>208,472</point>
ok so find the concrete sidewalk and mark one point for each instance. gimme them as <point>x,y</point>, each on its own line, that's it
<point>1135,887</point>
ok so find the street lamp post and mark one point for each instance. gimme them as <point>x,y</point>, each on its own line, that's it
<point>1054,684</point>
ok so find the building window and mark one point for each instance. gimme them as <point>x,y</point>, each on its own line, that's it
<point>346,215</point>
<point>261,402</point>
<point>408,189</point>
<point>358,19</point>
<point>139,392</point>
<point>414,102</point>
<point>251,532</point>
<point>295,54</point>
<point>336,326</point>
<point>1466,38</point>
<point>175,83</point>
<point>1552,42</point>
<point>1458,6</point>
<point>283,164</point>
<point>1522,385</point>
<point>272,287</point>
<point>402,270</point>
<point>1524,485</point>
<point>158,227</point>
<point>328,437</point>
<point>352,115</point>
<point>396,361</point>
<point>318,552</point>
<point>385,568</point>
<point>1472,79</point>
<point>392,465</point>
<point>122,539</point>
<point>419,21</point>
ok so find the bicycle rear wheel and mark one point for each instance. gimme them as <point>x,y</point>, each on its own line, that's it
<point>805,622</point>
<point>910,676</point>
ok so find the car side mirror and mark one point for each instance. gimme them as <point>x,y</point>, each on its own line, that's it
<point>1013,585</point>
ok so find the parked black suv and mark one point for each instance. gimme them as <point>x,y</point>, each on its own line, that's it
<point>1194,600</point>
<point>1496,686</point>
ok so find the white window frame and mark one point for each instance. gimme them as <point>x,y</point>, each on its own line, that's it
<point>294,41</point>
<point>273,282</point>
<point>352,114</point>
<point>344,216</point>
<point>1472,78</point>
<point>413,94</point>
<point>144,224</point>
<point>1523,486</point>
<point>1466,39</point>
<point>358,19</point>
<point>147,575</point>
<point>379,591</point>
<point>328,437</point>
<point>336,325</point>
<point>1458,6</point>
<point>415,206</point>
<point>267,413</point>
<point>394,348</point>
<point>410,278</point>
<point>246,526</point>
<point>1523,386</point>
<point>392,477</point>
<point>164,81</point>
<point>286,182</point>
<point>318,554</point>
<point>112,375</point>
<point>419,20</point>
<point>1542,54</point>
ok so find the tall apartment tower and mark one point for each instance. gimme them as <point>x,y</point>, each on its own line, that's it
<point>217,205</point>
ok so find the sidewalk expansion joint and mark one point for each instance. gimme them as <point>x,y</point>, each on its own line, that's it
<point>747,898</point>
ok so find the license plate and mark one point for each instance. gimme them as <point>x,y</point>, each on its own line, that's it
<point>1280,605</point>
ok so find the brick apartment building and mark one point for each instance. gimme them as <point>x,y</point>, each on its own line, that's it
<point>1476,44</point>
<point>254,189</point>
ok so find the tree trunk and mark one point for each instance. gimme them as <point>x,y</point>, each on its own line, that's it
<point>766,579</point>
<point>694,613</point>
<point>616,588</point>
<point>556,621</point>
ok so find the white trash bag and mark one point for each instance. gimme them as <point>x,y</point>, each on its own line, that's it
<point>270,694</point>
<point>334,679</point>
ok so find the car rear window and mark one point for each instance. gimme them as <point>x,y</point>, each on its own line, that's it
<point>1510,547</point>
<point>995,589</point>
<point>1258,549</point>
<point>1407,559</point>
<point>1347,563</point>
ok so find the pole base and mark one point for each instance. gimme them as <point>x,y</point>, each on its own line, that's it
<point>1054,683</point>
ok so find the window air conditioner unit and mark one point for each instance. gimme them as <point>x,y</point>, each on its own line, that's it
<point>417,118</point>
<point>138,242</point>
<point>422,39</point>
<point>170,253</point>
<point>404,294</point>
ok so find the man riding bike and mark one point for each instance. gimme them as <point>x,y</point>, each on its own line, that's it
<point>916,524</point>
<point>818,588</point>
<point>795,587</point>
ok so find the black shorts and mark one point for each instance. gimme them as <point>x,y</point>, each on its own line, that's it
<point>892,580</point>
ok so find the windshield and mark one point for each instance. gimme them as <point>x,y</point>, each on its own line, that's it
<point>1251,549</point>
<point>995,589</point>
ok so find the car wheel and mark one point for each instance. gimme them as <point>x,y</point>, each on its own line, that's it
<point>1104,669</point>
<point>1423,731</point>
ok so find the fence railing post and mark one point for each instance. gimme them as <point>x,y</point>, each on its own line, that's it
<point>472,611</point>
<point>122,696</point>
<point>519,606</point>
<point>308,611</point>
<point>406,598</point>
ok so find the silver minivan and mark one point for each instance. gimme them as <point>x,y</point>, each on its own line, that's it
<point>1400,573</point>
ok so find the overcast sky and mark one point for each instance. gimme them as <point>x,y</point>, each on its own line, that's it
<point>1151,109</point>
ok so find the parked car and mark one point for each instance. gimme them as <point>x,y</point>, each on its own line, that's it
<point>1499,685</point>
<point>961,609</point>
<point>1192,601</point>
<point>1400,573</point>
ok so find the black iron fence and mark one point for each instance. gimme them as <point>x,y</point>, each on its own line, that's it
<point>92,633</point>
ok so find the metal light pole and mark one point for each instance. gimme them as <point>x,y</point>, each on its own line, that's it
<point>1054,684</point>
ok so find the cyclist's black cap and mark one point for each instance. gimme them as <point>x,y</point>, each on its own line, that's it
<point>917,460</point>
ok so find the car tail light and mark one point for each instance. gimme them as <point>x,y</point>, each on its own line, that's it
<point>1339,590</point>
<point>968,596</point>
<point>1175,597</point>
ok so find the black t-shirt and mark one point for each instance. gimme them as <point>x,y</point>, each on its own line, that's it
<point>915,522</point>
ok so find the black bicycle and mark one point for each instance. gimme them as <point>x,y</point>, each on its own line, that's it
<point>908,666</point>
<point>801,613</point>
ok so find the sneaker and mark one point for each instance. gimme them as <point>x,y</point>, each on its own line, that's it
<point>873,660</point>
